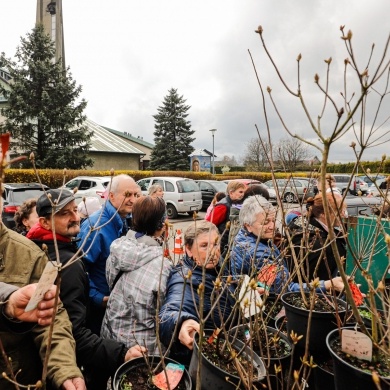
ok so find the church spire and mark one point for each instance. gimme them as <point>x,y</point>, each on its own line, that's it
<point>49,13</point>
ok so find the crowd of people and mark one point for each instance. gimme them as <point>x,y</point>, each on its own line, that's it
<point>120,295</point>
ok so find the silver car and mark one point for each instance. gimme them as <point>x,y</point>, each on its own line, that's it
<point>291,190</point>
<point>357,184</point>
<point>181,195</point>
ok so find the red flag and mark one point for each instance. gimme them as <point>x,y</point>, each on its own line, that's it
<point>356,293</point>
<point>5,144</point>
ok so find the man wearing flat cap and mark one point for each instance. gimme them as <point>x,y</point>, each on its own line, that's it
<point>22,263</point>
<point>58,216</point>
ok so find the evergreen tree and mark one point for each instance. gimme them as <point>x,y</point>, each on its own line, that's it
<point>42,114</point>
<point>172,135</point>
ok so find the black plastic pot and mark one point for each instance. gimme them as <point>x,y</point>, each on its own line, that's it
<point>281,324</point>
<point>284,361</point>
<point>367,321</point>
<point>272,316</point>
<point>321,323</point>
<point>214,378</point>
<point>346,376</point>
<point>153,361</point>
<point>323,373</point>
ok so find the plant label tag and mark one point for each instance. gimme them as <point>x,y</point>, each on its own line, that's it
<point>267,276</point>
<point>356,344</point>
<point>214,336</point>
<point>249,298</point>
<point>46,280</point>
<point>174,373</point>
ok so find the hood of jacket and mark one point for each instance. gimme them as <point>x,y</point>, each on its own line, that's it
<point>129,253</point>
<point>248,241</point>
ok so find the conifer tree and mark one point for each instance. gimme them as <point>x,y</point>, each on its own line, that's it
<point>172,135</point>
<point>43,115</point>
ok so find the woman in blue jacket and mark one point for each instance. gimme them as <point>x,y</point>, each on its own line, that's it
<point>253,247</point>
<point>179,320</point>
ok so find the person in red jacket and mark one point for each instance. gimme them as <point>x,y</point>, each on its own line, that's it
<point>221,212</point>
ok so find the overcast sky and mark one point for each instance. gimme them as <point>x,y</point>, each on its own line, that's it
<point>127,54</point>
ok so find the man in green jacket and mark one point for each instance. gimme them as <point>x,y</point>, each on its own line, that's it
<point>13,302</point>
<point>22,263</point>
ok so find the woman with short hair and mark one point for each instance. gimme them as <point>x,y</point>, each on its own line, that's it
<point>156,190</point>
<point>137,273</point>
<point>26,216</point>
<point>253,248</point>
<point>221,213</point>
<point>313,231</point>
<point>180,311</point>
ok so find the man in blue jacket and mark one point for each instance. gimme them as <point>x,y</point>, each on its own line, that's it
<point>96,235</point>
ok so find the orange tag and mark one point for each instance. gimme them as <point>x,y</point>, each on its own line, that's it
<point>213,336</point>
<point>267,275</point>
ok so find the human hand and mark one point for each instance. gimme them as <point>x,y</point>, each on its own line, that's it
<point>134,352</point>
<point>336,283</point>
<point>262,290</point>
<point>187,333</point>
<point>19,299</point>
<point>105,300</point>
<point>74,384</point>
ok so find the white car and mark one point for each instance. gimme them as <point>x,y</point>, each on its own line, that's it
<point>181,195</point>
<point>88,186</point>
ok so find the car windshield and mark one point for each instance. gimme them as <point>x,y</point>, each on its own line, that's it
<point>220,186</point>
<point>187,186</point>
<point>19,196</point>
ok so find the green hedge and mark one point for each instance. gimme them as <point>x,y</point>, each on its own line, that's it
<point>374,166</point>
<point>55,178</point>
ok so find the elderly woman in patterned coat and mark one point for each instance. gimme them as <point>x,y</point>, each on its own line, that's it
<point>137,273</point>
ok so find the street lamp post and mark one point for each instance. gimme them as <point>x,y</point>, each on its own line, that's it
<point>213,132</point>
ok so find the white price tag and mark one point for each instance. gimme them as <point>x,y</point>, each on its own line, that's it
<point>356,344</point>
<point>46,280</point>
<point>250,300</point>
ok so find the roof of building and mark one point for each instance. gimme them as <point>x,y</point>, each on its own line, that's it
<point>104,140</point>
<point>128,136</point>
<point>201,152</point>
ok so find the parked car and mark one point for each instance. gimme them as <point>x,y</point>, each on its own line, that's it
<point>371,179</point>
<point>88,186</point>
<point>14,195</point>
<point>357,184</point>
<point>361,205</point>
<point>312,188</point>
<point>209,188</point>
<point>374,190</point>
<point>247,182</point>
<point>181,195</point>
<point>272,195</point>
<point>292,190</point>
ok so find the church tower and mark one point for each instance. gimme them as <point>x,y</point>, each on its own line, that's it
<point>49,13</point>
